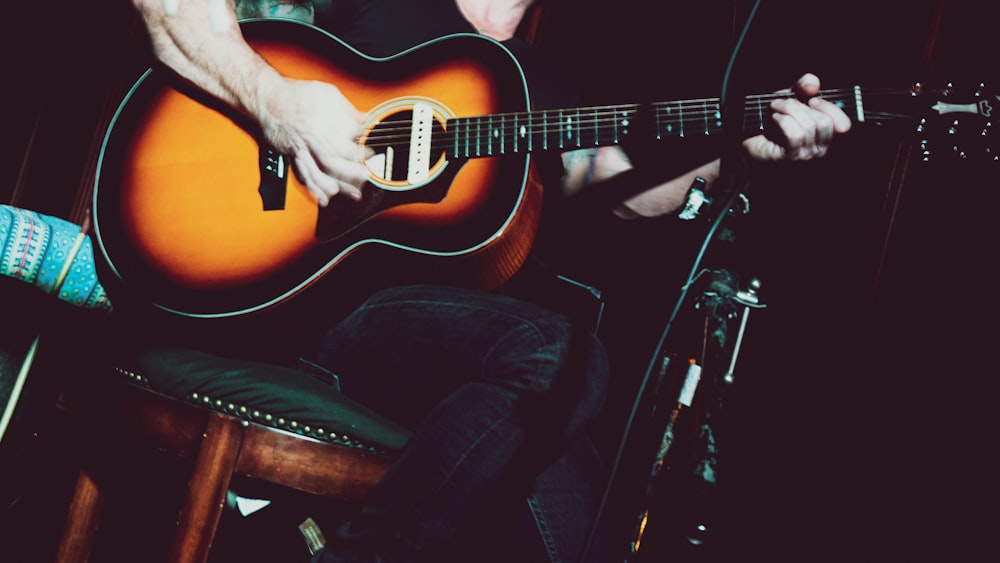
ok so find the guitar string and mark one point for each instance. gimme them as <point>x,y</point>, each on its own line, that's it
<point>694,108</point>
<point>611,110</point>
<point>689,108</point>
<point>597,118</point>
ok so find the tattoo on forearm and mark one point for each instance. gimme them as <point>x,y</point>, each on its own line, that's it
<point>302,10</point>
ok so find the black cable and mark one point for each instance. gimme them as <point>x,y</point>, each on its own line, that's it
<point>730,180</point>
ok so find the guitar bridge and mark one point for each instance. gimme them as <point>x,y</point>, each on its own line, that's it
<point>273,179</point>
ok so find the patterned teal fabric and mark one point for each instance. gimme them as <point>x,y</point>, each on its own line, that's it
<point>52,254</point>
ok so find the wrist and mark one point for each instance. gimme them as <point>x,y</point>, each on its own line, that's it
<point>262,91</point>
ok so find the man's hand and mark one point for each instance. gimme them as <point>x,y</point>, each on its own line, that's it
<point>806,129</point>
<point>312,123</point>
<point>317,127</point>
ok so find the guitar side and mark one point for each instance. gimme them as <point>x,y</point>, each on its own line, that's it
<point>180,220</point>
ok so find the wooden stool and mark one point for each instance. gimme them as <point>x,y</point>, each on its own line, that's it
<point>224,440</point>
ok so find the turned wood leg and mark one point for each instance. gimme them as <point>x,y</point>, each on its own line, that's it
<point>206,494</point>
<point>81,522</point>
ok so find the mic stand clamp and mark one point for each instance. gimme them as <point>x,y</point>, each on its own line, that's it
<point>696,200</point>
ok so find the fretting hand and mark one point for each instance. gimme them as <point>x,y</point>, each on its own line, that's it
<point>806,129</point>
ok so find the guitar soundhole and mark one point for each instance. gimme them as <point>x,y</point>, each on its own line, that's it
<point>404,138</point>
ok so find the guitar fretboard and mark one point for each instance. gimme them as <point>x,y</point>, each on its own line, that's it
<point>576,128</point>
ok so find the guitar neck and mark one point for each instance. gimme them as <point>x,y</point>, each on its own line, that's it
<point>576,128</point>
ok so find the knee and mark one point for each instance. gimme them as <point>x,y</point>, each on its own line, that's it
<point>549,357</point>
<point>532,354</point>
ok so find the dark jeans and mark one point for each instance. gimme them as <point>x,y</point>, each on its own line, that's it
<point>499,394</point>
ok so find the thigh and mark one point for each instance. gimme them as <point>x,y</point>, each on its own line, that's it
<point>407,348</point>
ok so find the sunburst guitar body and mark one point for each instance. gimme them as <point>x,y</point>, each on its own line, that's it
<point>197,215</point>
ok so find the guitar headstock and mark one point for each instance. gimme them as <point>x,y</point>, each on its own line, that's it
<point>960,125</point>
<point>951,123</point>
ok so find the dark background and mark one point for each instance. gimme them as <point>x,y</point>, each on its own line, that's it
<point>861,425</point>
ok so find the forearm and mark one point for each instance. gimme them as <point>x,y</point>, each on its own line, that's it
<point>201,41</point>
<point>669,196</point>
<point>498,20</point>
<point>589,166</point>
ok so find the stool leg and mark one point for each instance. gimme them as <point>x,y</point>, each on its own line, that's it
<point>82,521</point>
<point>206,494</point>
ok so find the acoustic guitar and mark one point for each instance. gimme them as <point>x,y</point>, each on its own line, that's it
<point>198,216</point>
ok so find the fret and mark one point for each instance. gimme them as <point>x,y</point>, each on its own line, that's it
<point>568,128</point>
<point>680,118</point>
<point>479,137</point>
<point>614,127</point>
<point>545,130</point>
<point>503,132</point>
<point>531,134</point>
<point>659,127</point>
<point>468,130</point>
<point>760,115</point>
<point>669,128</point>
<point>516,133</point>
<point>704,105</point>
<point>489,135</point>
<point>579,128</point>
<point>597,129</point>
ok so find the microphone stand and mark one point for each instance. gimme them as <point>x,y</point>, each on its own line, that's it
<point>732,183</point>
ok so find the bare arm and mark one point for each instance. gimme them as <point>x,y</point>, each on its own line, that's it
<point>201,41</point>
<point>491,18</point>
<point>311,122</point>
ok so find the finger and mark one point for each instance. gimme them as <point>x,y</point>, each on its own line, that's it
<point>351,176</point>
<point>346,168</point>
<point>796,125</point>
<point>807,85</point>
<point>321,184</point>
<point>761,148</point>
<point>819,125</point>
<point>793,136</point>
<point>841,122</point>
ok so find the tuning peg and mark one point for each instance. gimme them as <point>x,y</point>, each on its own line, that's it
<point>954,128</point>
<point>922,125</point>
